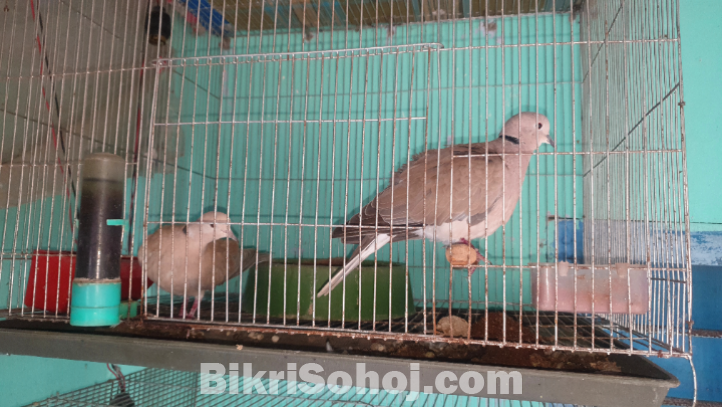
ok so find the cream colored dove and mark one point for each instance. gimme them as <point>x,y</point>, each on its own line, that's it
<point>486,189</point>
<point>188,260</point>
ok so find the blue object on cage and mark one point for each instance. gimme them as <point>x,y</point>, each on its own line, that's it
<point>569,230</point>
<point>210,18</point>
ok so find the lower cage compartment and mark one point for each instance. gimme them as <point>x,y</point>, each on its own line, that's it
<point>176,388</point>
<point>546,376</point>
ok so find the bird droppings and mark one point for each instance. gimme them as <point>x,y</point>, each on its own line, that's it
<point>275,338</point>
<point>436,346</point>
<point>562,360</point>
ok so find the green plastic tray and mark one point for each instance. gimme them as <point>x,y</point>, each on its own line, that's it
<point>259,294</point>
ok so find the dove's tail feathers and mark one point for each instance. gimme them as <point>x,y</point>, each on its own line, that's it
<point>367,247</point>
<point>264,258</point>
<point>249,258</point>
<point>352,234</point>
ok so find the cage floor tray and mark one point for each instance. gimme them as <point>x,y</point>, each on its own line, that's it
<point>561,329</point>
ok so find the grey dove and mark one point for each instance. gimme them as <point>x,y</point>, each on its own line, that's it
<point>195,256</point>
<point>485,192</point>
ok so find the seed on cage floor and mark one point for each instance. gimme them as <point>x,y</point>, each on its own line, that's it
<point>477,211</point>
<point>194,257</point>
<point>452,326</point>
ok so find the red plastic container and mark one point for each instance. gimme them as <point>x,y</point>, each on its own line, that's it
<point>52,272</point>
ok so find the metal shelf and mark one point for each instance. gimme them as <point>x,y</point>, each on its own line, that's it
<point>641,383</point>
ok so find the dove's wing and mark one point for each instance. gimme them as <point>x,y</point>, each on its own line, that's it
<point>221,261</point>
<point>171,259</point>
<point>411,202</point>
<point>444,185</point>
<point>225,254</point>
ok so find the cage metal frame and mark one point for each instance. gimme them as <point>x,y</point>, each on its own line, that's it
<point>609,323</point>
<point>669,334</point>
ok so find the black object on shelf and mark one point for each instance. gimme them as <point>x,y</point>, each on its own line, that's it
<point>158,26</point>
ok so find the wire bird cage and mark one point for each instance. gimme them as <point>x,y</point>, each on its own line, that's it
<point>291,116</point>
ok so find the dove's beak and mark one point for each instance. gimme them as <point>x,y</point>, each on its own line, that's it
<point>550,142</point>
<point>230,235</point>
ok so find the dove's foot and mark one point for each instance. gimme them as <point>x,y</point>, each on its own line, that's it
<point>479,258</point>
<point>191,314</point>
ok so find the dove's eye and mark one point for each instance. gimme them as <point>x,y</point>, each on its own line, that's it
<point>213,226</point>
<point>540,126</point>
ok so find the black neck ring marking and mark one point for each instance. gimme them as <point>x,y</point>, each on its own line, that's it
<point>511,139</point>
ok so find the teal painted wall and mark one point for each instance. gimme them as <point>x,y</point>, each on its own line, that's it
<point>702,69</point>
<point>702,89</point>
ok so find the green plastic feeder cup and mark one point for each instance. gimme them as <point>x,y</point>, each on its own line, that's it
<point>95,303</point>
<point>256,292</point>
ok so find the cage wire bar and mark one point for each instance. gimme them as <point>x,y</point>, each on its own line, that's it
<point>304,120</point>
